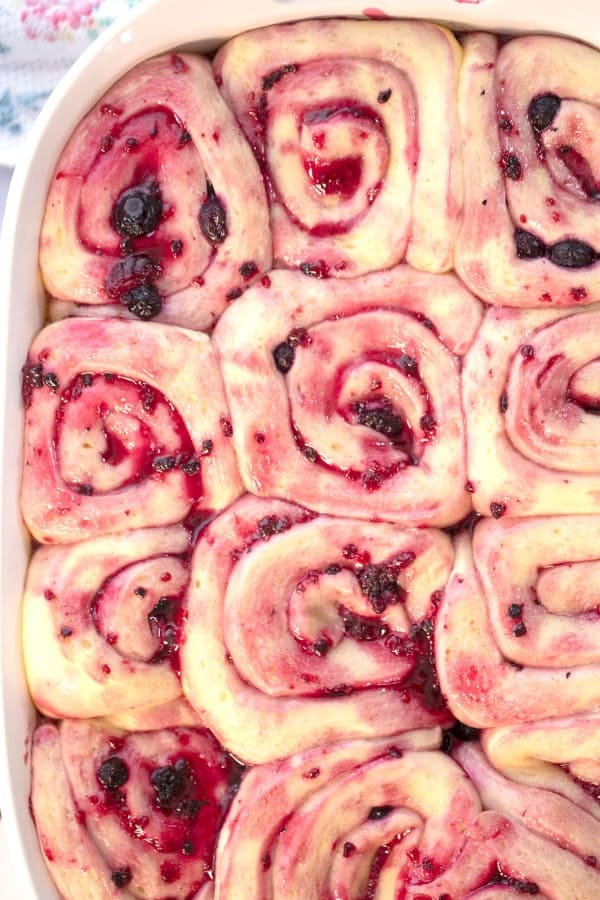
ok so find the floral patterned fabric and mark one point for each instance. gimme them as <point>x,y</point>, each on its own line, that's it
<point>39,40</point>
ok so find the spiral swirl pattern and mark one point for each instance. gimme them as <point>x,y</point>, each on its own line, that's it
<point>102,621</point>
<point>529,115</point>
<point>142,218</point>
<point>346,395</point>
<point>374,820</point>
<point>518,632</point>
<point>355,127</point>
<point>126,426</point>
<point>532,425</point>
<point>293,619</point>
<point>133,815</point>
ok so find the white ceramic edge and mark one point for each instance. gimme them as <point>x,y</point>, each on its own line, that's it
<point>148,30</point>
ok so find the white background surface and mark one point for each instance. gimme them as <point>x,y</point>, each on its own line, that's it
<point>8,885</point>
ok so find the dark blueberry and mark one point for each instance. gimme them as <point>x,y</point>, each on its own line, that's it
<point>321,646</point>
<point>188,848</point>
<point>51,381</point>
<point>138,210</point>
<point>140,592</point>
<point>121,877</point>
<point>520,630</point>
<point>207,447</point>
<point>408,364</point>
<point>190,466</point>
<point>381,420</point>
<point>528,246</point>
<point>248,269</point>
<point>511,166</point>
<point>572,254</point>
<point>65,631</point>
<point>503,402</point>
<point>542,110</point>
<point>275,76</point>
<point>333,569</point>
<point>130,273</point>
<point>384,96</point>
<point>85,489</point>
<point>379,584</point>
<point>362,628</point>
<point>380,812</point>
<point>271,525</point>
<point>176,247</point>
<point>212,217</point>
<point>169,783</point>
<point>163,463</point>
<point>283,355</point>
<point>310,453</point>
<point>497,509</point>
<point>87,379</point>
<point>348,849</point>
<point>131,145</point>
<point>515,610</point>
<point>144,301</point>
<point>185,137</point>
<point>527,351</point>
<point>113,773</point>
<point>106,142</point>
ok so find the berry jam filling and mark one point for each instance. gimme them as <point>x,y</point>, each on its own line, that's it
<point>581,169</point>
<point>212,217</point>
<point>336,176</point>
<point>188,795</point>
<point>344,109</point>
<point>165,621</point>
<point>138,210</point>
<point>117,415</point>
<point>274,77</point>
<point>419,645</point>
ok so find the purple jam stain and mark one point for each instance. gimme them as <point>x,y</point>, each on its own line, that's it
<point>338,176</point>
<point>31,378</point>
<point>276,75</point>
<point>324,113</point>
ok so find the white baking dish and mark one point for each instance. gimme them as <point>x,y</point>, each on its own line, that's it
<point>154,28</point>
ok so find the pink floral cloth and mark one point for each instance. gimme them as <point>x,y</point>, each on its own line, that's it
<point>39,40</point>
